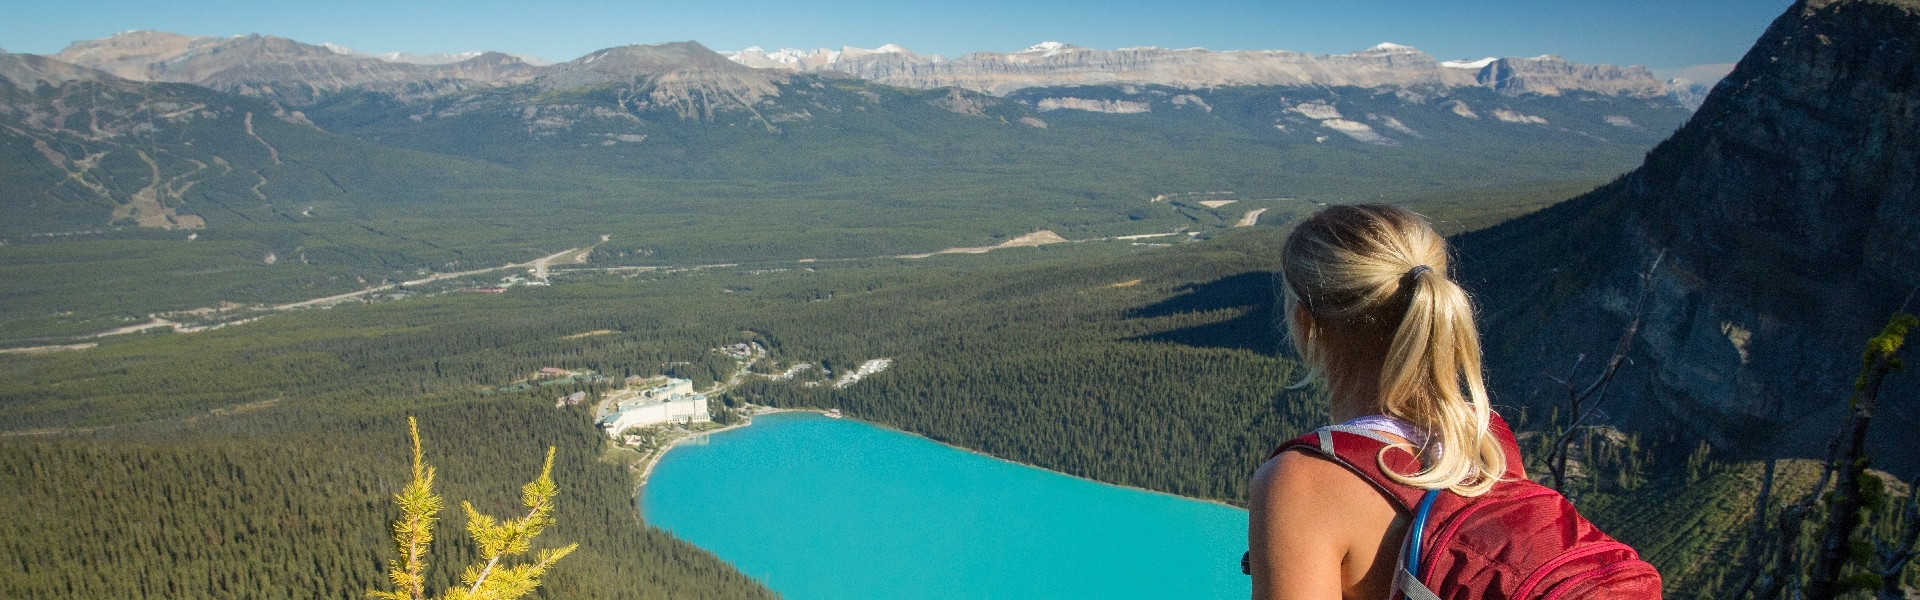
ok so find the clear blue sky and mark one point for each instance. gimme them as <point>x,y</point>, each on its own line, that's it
<point>1654,33</point>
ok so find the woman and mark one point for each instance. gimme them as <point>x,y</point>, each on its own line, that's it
<point>1370,307</point>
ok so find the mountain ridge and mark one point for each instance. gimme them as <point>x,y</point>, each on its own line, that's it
<point>297,72</point>
<point>1056,64</point>
<point>30,71</point>
<point>1789,215</point>
<point>281,68</point>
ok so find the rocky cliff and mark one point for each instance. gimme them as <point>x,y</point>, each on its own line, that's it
<point>688,78</point>
<point>284,69</point>
<point>684,75</point>
<point>1055,64</point>
<point>299,73</point>
<point>1788,212</point>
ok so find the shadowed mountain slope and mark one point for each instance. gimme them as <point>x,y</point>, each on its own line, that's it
<point>1790,219</point>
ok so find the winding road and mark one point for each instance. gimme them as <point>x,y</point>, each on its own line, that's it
<point>539,265</point>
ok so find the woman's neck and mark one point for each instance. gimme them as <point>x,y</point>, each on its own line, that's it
<point>1353,366</point>
<point>1353,397</point>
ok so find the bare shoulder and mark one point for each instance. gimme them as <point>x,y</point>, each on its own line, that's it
<point>1293,471</point>
<point>1311,492</point>
<point>1316,530</point>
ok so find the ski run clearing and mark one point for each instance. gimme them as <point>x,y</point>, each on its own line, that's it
<point>1252,218</point>
<point>1037,238</point>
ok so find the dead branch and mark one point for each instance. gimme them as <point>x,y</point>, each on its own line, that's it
<point>1557,460</point>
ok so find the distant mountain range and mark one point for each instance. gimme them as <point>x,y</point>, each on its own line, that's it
<point>284,69</point>
<point>299,72</point>
<point>618,89</point>
<point>438,58</point>
<point>319,169</point>
<point>1057,64</point>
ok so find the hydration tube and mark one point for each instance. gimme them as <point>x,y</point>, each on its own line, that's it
<point>1418,531</point>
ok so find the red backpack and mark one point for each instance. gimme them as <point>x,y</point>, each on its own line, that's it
<point>1521,540</point>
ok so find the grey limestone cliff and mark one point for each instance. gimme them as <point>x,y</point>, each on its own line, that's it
<point>1790,217</point>
<point>299,73</point>
<point>1054,64</point>
<point>684,75</point>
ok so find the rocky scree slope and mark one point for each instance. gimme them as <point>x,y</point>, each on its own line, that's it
<point>1790,218</point>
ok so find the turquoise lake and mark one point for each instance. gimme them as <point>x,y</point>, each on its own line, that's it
<point>820,508</point>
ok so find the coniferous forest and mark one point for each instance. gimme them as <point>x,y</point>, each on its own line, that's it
<point>187,409</point>
<point>257,461</point>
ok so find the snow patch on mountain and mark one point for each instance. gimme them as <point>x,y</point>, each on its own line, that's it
<point>430,59</point>
<point>785,55</point>
<point>1392,48</point>
<point>1468,64</point>
<point>795,59</point>
<point>438,58</point>
<point>1045,49</point>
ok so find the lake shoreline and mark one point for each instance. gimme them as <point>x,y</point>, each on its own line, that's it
<point>897,505</point>
<point>654,461</point>
<point>1034,466</point>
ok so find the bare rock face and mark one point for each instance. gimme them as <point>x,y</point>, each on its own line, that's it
<point>1547,75</point>
<point>1055,64</point>
<point>694,81</point>
<point>809,60</point>
<point>684,76</point>
<point>128,55</point>
<point>625,63</point>
<point>1789,213</point>
<point>1687,92</point>
<point>298,73</point>
<point>283,69</point>
<point>429,59</point>
<point>29,71</point>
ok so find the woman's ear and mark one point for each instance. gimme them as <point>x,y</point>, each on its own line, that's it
<point>1301,318</point>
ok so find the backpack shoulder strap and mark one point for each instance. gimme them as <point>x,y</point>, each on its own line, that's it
<point>1361,451</point>
<point>1516,465</point>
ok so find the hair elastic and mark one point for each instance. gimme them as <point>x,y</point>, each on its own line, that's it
<point>1418,270</point>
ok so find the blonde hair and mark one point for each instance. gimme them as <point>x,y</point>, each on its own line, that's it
<point>1357,273</point>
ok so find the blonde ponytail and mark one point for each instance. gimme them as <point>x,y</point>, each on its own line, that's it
<point>1372,280</point>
